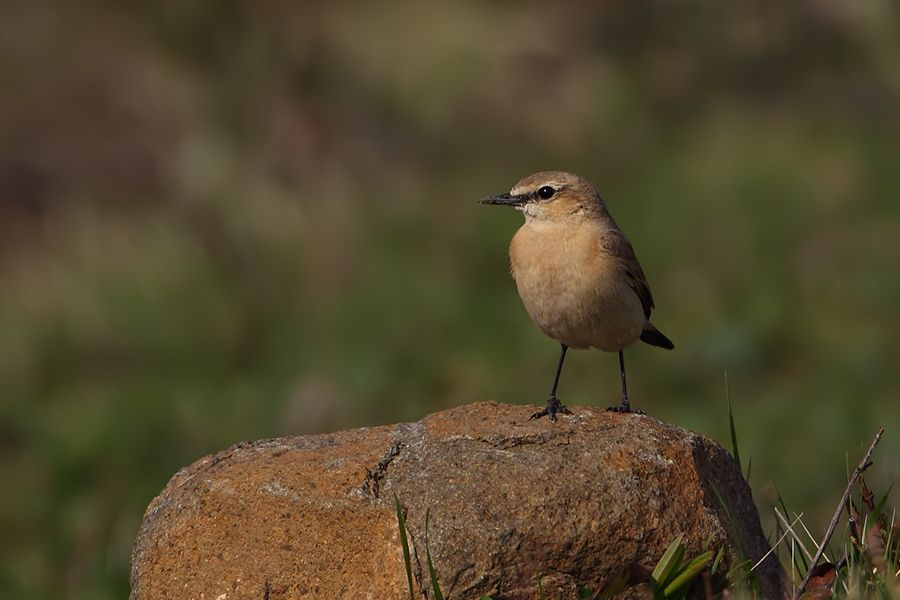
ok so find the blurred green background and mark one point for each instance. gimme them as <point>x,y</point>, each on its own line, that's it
<point>226,220</point>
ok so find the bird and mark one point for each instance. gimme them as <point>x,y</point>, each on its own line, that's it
<point>577,274</point>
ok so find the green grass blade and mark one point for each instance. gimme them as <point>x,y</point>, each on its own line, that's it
<point>401,521</point>
<point>741,574</point>
<point>734,443</point>
<point>718,559</point>
<point>666,566</point>
<point>435,586</point>
<point>688,574</point>
<point>731,522</point>
<point>748,575</point>
<point>880,506</point>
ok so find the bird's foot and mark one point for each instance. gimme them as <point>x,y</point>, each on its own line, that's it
<point>624,407</point>
<point>554,407</point>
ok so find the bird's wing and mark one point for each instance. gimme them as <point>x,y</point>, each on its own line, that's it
<point>616,245</point>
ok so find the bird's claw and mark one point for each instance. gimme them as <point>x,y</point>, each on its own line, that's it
<point>624,408</point>
<point>554,407</point>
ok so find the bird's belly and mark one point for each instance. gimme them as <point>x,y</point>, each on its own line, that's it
<point>582,312</point>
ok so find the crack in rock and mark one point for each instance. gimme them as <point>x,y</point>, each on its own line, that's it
<point>371,486</point>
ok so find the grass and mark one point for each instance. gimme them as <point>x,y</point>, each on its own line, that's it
<point>863,563</point>
<point>401,521</point>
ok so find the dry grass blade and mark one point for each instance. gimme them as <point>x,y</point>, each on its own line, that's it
<point>875,548</point>
<point>812,539</point>
<point>790,529</point>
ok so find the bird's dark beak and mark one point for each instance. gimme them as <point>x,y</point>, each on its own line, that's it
<point>505,199</point>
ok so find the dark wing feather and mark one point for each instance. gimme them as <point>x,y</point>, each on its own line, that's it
<point>615,244</point>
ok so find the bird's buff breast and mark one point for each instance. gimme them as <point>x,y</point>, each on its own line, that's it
<point>572,291</point>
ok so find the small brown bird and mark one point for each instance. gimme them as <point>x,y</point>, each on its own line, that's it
<point>577,273</point>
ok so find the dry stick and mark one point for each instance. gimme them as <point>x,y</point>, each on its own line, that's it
<point>862,466</point>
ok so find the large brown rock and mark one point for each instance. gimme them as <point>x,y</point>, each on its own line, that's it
<point>512,502</point>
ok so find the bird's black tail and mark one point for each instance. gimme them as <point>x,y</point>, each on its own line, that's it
<point>655,337</point>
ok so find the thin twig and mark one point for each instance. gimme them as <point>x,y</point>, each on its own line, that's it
<point>862,466</point>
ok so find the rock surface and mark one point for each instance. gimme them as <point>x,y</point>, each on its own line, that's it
<point>512,502</point>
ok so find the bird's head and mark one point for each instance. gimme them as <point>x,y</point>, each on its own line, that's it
<point>551,195</point>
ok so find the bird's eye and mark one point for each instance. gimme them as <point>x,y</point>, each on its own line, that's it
<point>545,192</point>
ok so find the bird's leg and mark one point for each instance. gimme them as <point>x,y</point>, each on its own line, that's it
<point>553,404</point>
<point>624,406</point>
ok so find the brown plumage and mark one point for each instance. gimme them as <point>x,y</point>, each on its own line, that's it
<point>576,272</point>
